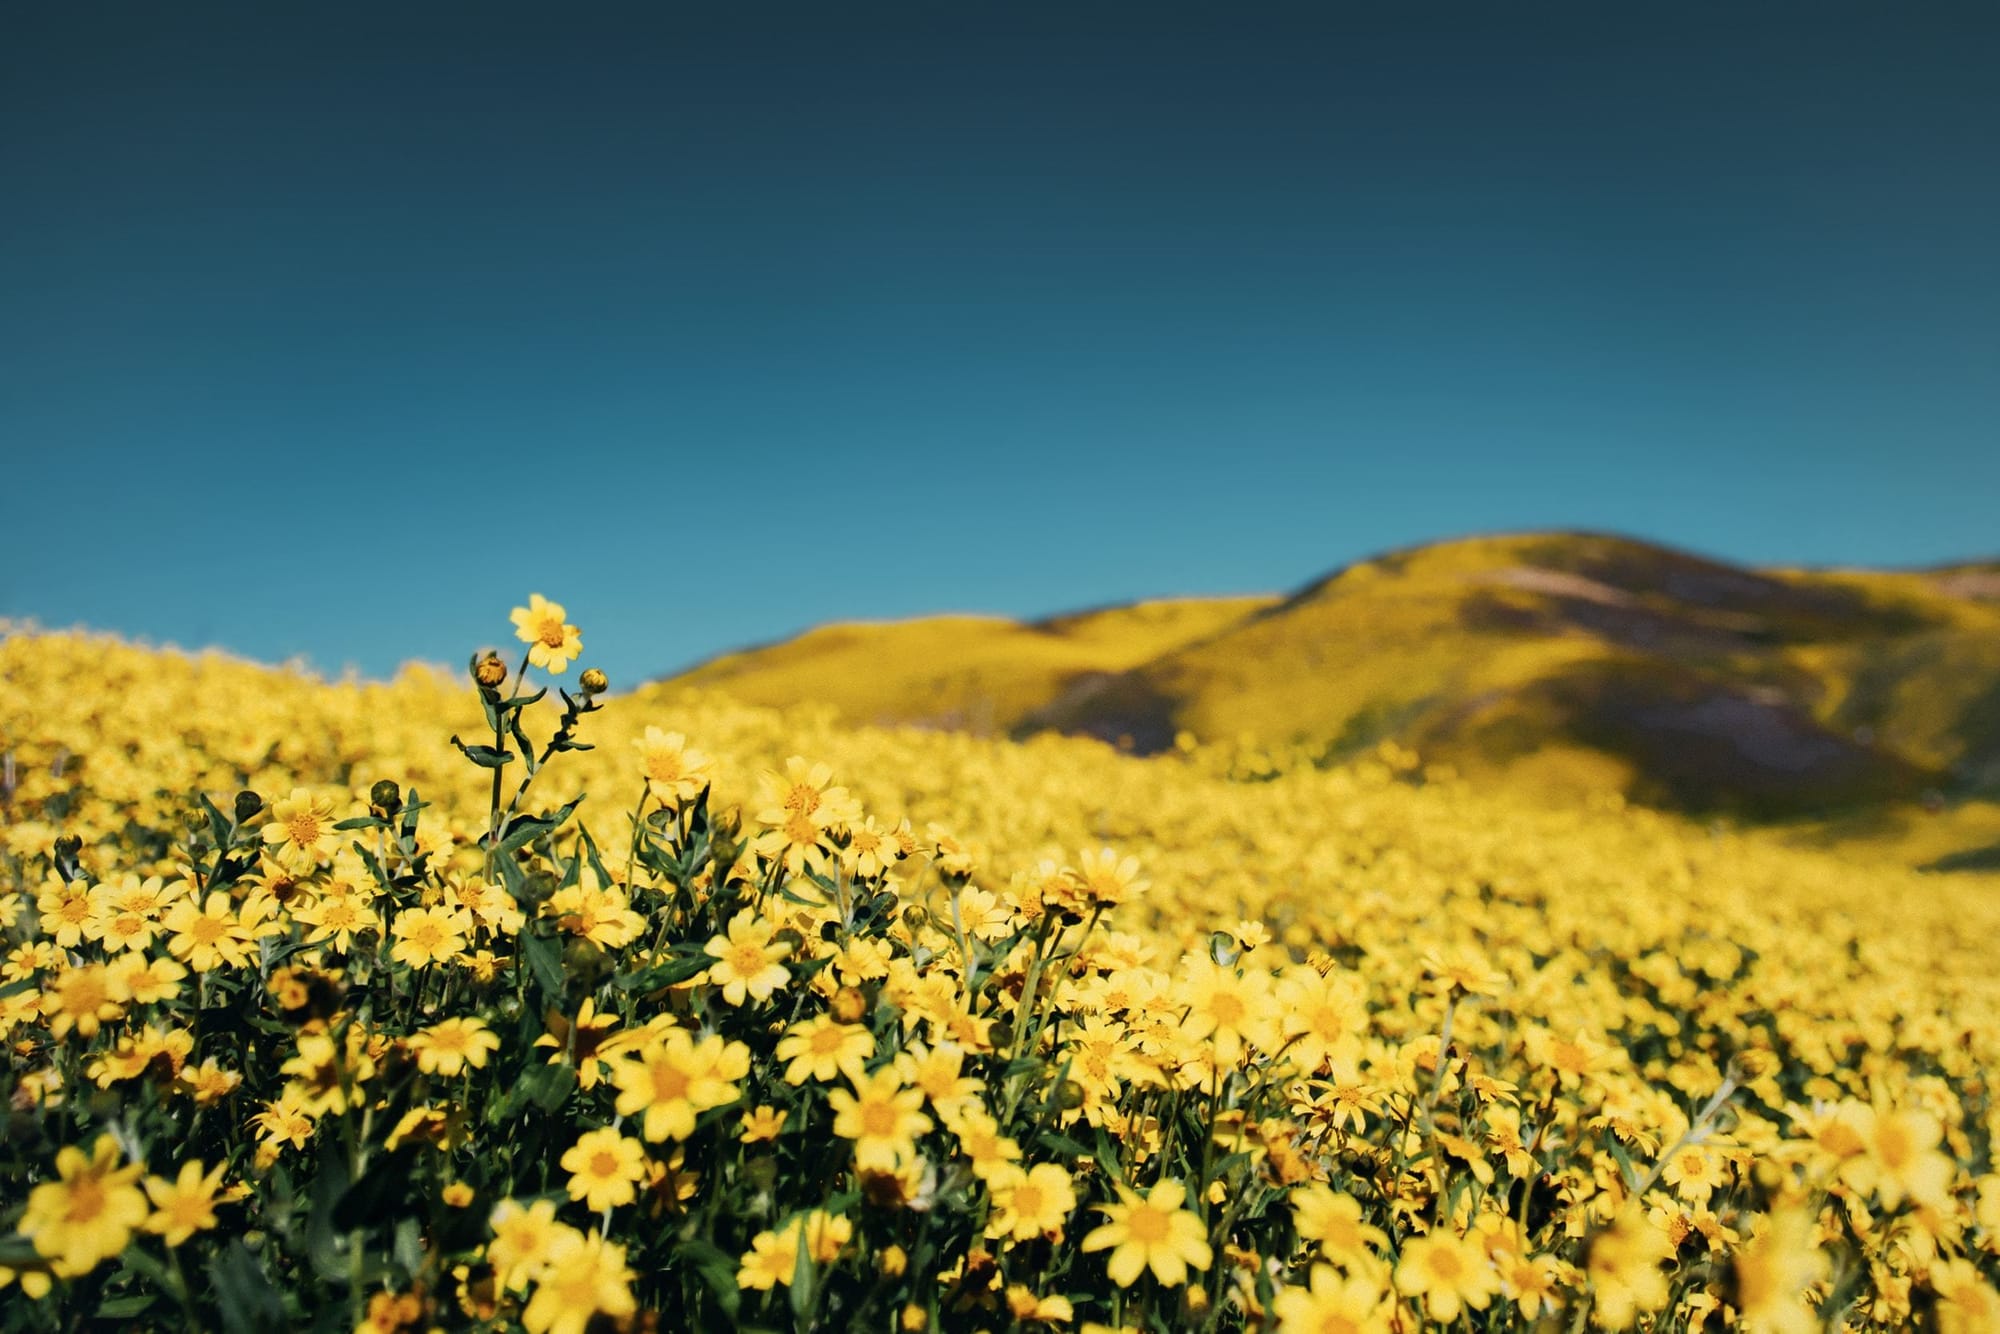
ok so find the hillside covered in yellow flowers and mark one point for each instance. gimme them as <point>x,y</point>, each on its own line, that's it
<point>388,1006</point>
<point>1564,663</point>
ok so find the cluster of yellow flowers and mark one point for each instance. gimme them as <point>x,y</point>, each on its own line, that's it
<point>319,1016</point>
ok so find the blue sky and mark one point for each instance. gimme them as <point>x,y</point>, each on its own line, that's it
<point>335,331</point>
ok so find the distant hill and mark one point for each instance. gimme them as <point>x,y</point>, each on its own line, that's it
<point>1567,659</point>
<point>985,674</point>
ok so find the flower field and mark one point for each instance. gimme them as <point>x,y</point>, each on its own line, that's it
<point>498,1001</point>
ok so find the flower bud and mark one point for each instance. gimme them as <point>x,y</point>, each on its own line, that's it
<point>68,849</point>
<point>849,1005</point>
<point>594,681</point>
<point>384,800</point>
<point>248,803</point>
<point>489,671</point>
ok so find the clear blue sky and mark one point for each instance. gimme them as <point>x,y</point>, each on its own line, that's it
<point>337,329</point>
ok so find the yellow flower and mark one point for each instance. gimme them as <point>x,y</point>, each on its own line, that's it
<point>604,1168</point>
<point>447,1048</point>
<point>1773,1273</point>
<point>126,916</point>
<point>979,1139</point>
<point>747,966</point>
<point>1449,1271</point>
<point>185,1205</point>
<point>938,1072</point>
<point>1025,1305</point>
<point>882,1117</point>
<point>551,642</point>
<point>88,1215</point>
<point>586,1276</point>
<point>1226,1008</point>
<point>456,1195</point>
<point>772,1259</point>
<point>287,1118</point>
<point>821,1049</point>
<point>1105,880</point>
<point>1624,1269</point>
<point>581,1040</point>
<point>1031,1204</point>
<point>207,936</point>
<point>83,998</point>
<point>324,1080</point>
<point>524,1237</point>
<point>429,935</point>
<point>803,788</point>
<point>825,1235</point>
<point>1697,1171</point>
<point>208,1083</point>
<point>675,1079</point>
<point>65,910</point>
<point>773,1256</point>
<point>1967,1303</point>
<point>1332,1304</point>
<point>675,771</point>
<point>1902,1158</point>
<point>1333,1219</point>
<point>796,841</point>
<point>1151,1233</point>
<point>301,829</point>
<point>761,1124</point>
<point>149,981</point>
<point>602,916</point>
<point>336,919</point>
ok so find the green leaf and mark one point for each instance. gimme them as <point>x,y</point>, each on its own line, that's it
<point>362,822</point>
<point>375,1196</point>
<point>250,1305</point>
<point>145,1266</point>
<point>529,828</point>
<point>689,959</point>
<point>596,862</point>
<point>486,757</point>
<point>120,1308</point>
<point>805,1278</point>
<point>544,959</point>
<point>716,1268</point>
<point>17,1252</point>
<point>325,1247</point>
<point>410,1246</point>
<point>549,1086</point>
<point>218,823</point>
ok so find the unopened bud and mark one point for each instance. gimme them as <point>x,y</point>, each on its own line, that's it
<point>489,671</point>
<point>248,803</point>
<point>849,1005</point>
<point>384,800</point>
<point>594,681</point>
<point>68,848</point>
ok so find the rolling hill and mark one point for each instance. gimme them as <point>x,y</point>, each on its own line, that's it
<point>1568,660</point>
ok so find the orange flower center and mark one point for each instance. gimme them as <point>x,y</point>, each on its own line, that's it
<point>669,1083</point>
<point>879,1119</point>
<point>1147,1225</point>
<point>86,1200</point>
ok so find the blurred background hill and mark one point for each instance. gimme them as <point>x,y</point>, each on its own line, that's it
<point>1858,703</point>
